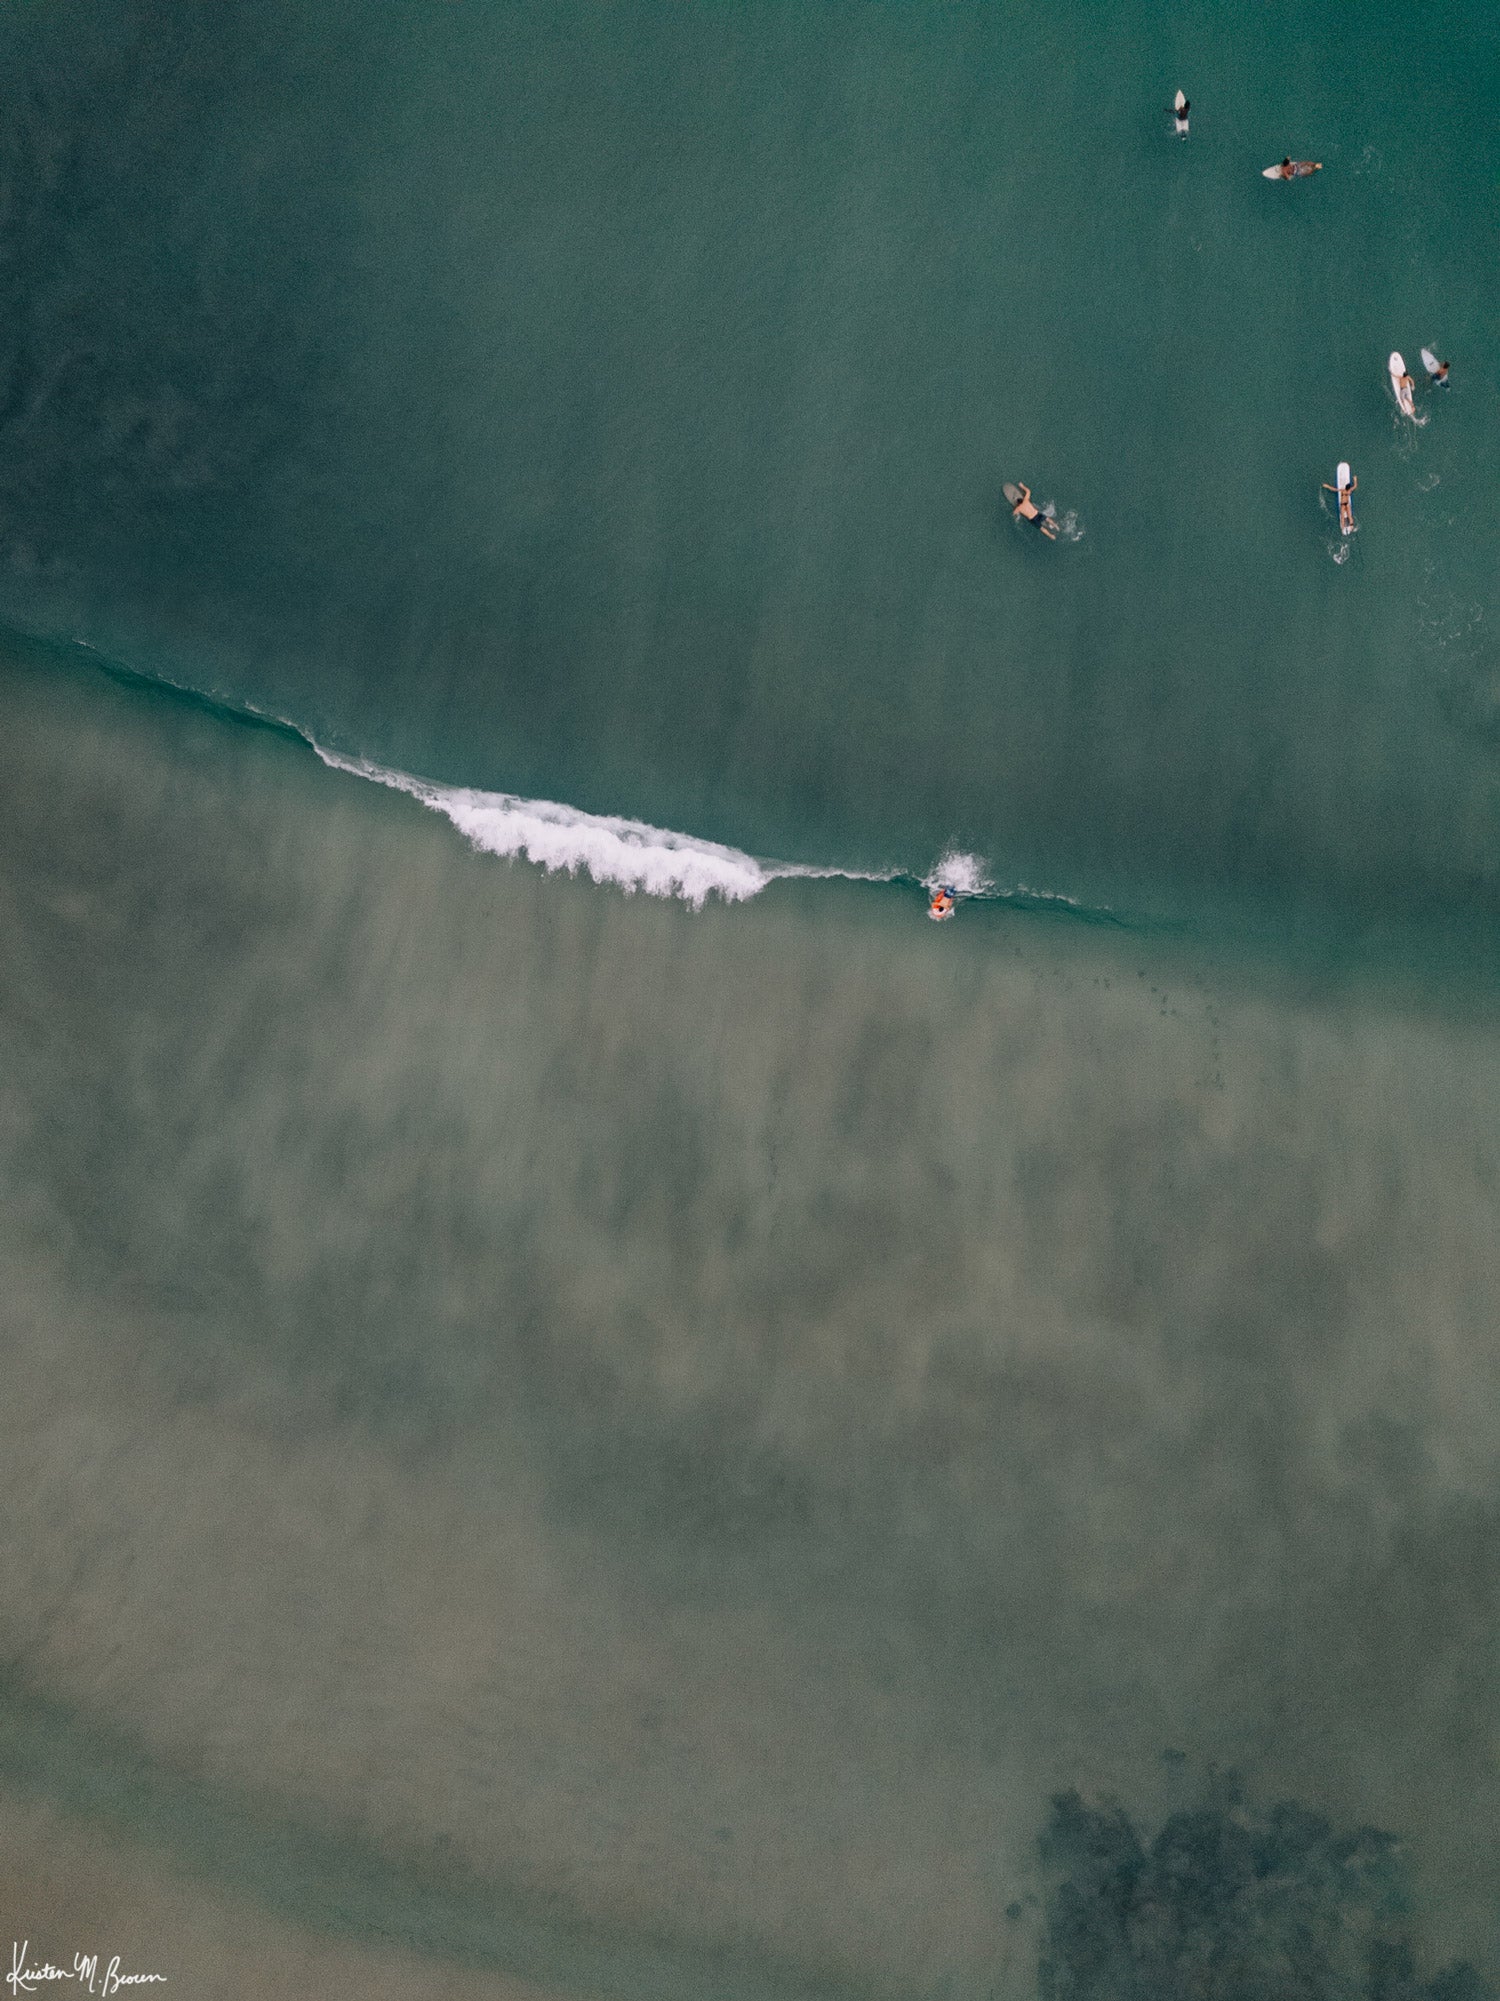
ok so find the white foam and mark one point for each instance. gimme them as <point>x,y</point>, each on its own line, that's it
<point>964,874</point>
<point>1067,525</point>
<point>627,853</point>
<point>814,872</point>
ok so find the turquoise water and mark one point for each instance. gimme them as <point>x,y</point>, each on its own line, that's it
<point>612,409</point>
<point>633,1443</point>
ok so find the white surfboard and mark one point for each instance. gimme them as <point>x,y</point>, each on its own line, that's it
<point>1343,481</point>
<point>1430,361</point>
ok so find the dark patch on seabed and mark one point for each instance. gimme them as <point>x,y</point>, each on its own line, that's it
<point>641,1449</point>
<point>1231,1900</point>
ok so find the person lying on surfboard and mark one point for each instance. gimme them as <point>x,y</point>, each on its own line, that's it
<point>1180,109</point>
<point>942,904</point>
<point>1346,508</point>
<point>1294,170</point>
<point>1026,509</point>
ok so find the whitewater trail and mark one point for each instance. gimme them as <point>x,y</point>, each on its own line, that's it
<point>633,855</point>
<point>628,853</point>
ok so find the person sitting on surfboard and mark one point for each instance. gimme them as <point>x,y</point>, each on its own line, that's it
<point>942,904</point>
<point>1437,370</point>
<point>1344,490</point>
<point>1026,509</point>
<point>1180,109</point>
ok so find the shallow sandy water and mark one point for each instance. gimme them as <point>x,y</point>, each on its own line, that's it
<point>648,1445</point>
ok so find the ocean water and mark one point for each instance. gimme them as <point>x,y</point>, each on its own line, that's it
<point>596,1407</point>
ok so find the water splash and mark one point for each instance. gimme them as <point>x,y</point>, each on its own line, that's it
<point>963,873</point>
<point>1068,526</point>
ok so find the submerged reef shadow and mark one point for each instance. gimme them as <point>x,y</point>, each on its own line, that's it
<point>1231,1901</point>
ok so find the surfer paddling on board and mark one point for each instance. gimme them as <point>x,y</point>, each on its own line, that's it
<point>1345,490</point>
<point>1437,371</point>
<point>1180,109</point>
<point>1293,170</point>
<point>1403,388</point>
<point>1024,508</point>
<point>943,904</point>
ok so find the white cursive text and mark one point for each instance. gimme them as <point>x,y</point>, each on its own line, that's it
<point>24,1978</point>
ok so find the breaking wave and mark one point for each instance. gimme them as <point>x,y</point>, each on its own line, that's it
<point>628,854</point>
